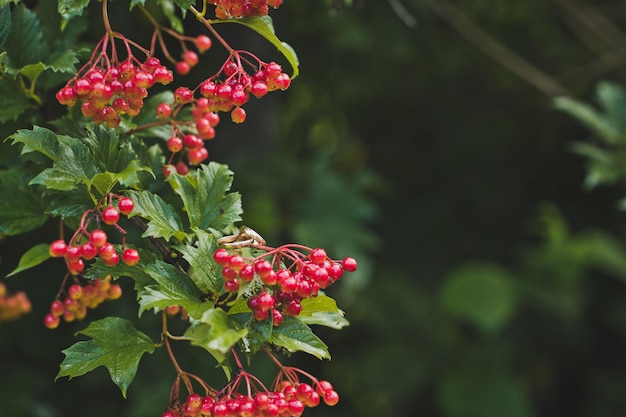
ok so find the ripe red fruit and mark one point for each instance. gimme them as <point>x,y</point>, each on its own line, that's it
<point>174,144</point>
<point>110,215</point>
<point>349,264</point>
<point>196,156</point>
<point>130,257</point>
<point>57,308</point>
<point>76,267</point>
<point>331,398</point>
<point>125,205</point>
<point>112,259</point>
<point>57,249</point>
<point>72,253</point>
<point>183,95</point>
<point>106,251</point>
<point>221,256</point>
<point>191,58</point>
<point>98,238</point>
<point>277,317</point>
<point>266,301</point>
<point>192,142</point>
<point>203,43</point>
<point>232,285</point>
<point>51,321</point>
<point>182,168</point>
<point>114,292</point>
<point>163,111</point>
<point>318,256</point>
<point>182,68</point>
<point>238,115</point>
<point>75,291</point>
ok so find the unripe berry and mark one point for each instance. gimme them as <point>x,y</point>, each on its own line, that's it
<point>57,308</point>
<point>114,292</point>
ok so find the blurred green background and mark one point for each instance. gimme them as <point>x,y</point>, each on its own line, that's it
<point>423,138</point>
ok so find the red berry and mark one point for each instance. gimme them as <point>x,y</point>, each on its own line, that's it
<point>266,301</point>
<point>51,321</point>
<point>192,142</point>
<point>75,267</point>
<point>196,156</point>
<point>125,205</point>
<point>163,111</point>
<point>277,317</point>
<point>57,308</point>
<point>331,398</point>
<point>182,168</point>
<point>318,256</point>
<point>203,43</point>
<point>191,58</point>
<point>174,144</point>
<point>98,238</point>
<point>221,256</point>
<point>238,115</point>
<point>323,386</point>
<point>183,95</point>
<point>112,259</point>
<point>75,291</point>
<point>88,250</point>
<point>58,248</point>
<point>349,264</point>
<point>106,251</point>
<point>72,253</point>
<point>130,257</point>
<point>183,68</point>
<point>110,215</point>
<point>232,285</point>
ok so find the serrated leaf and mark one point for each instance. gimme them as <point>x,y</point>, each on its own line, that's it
<point>173,287</point>
<point>32,71</point>
<point>204,195</point>
<point>163,221</point>
<point>203,269</point>
<point>322,310</point>
<point>38,139</point>
<point>115,344</point>
<point>14,101</point>
<point>264,26</point>
<point>5,23</point>
<point>71,8</point>
<point>24,44</point>
<point>295,336</point>
<point>213,331</point>
<point>31,258</point>
<point>98,269</point>
<point>63,62</point>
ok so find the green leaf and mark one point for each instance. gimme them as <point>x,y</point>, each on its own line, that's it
<point>24,44</point>
<point>14,101</point>
<point>31,258</point>
<point>5,23</point>
<point>204,195</point>
<point>295,336</point>
<point>71,8</point>
<point>134,3</point>
<point>213,331</point>
<point>481,294</point>
<point>588,116</point>
<point>203,270</point>
<point>185,4</point>
<point>38,139</point>
<point>32,71</point>
<point>25,210</point>
<point>265,27</point>
<point>169,10</point>
<point>98,269</point>
<point>163,221</point>
<point>173,287</point>
<point>115,344</point>
<point>322,310</point>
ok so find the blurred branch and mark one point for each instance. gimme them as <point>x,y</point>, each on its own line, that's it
<point>496,50</point>
<point>403,13</point>
<point>595,69</point>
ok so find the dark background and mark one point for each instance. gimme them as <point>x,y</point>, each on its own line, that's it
<point>412,143</point>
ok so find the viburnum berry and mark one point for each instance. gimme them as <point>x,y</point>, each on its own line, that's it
<point>221,256</point>
<point>196,156</point>
<point>51,321</point>
<point>112,259</point>
<point>125,205</point>
<point>191,58</point>
<point>203,43</point>
<point>98,238</point>
<point>182,168</point>
<point>76,267</point>
<point>75,291</point>
<point>163,111</point>
<point>183,95</point>
<point>238,115</point>
<point>57,308</point>
<point>175,144</point>
<point>130,257</point>
<point>58,248</point>
<point>110,215</point>
<point>182,68</point>
<point>349,264</point>
<point>72,253</point>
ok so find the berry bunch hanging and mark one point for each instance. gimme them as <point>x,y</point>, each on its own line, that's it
<point>123,169</point>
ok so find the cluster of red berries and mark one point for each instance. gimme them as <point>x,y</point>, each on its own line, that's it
<point>12,306</point>
<point>85,246</point>
<point>291,401</point>
<point>106,93</point>
<point>79,298</point>
<point>226,91</point>
<point>283,288</point>
<point>243,8</point>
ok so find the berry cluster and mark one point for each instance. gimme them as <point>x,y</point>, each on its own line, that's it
<point>12,306</point>
<point>115,89</point>
<point>243,8</point>
<point>79,298</point>
<point>85,246</point>
<point>289,400</point>
<point>226,91</point>
<point>283,288</point>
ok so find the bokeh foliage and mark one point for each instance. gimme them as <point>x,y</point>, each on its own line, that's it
<point>486,211</point>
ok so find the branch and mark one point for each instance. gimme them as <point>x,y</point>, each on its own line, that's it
<point>496,50</point>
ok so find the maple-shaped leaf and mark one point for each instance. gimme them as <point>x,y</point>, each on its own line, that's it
<point>115,344</point>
